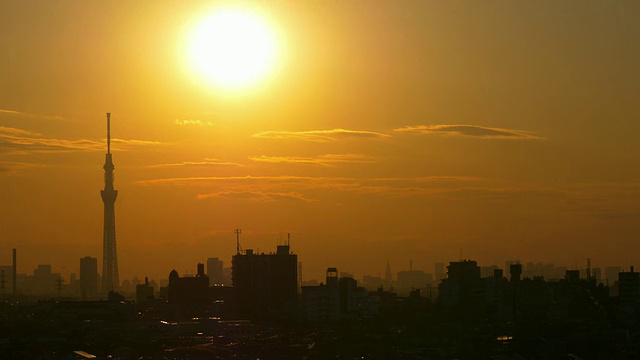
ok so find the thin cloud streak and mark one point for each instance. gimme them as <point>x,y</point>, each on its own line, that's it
<point>310,179</point>
<point>12,167</point>
<point>24,141</point>
<point>474,131</point>
<point>20,113</point>
<point>255,196</point>
<point>16,131</point>
<point>320,135</point>
<point>193,122</point>
<point>206,162</point>
<point>322,160</point>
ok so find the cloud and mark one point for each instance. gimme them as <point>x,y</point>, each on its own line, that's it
<point>192,122</point>
<point>31,115</point>
<point>320,135</point>
<point>206,162</point>
<point>616,215</point>
<point>474,131</point>
<point>256,196</point>
<point>24,141</point>
<point>16,131</point>
<point>398,187</point>
<point>198,180</point>
<point>312,181</point>
<point>322,160</point>
<point>132,142</point>
<point>11,167</point>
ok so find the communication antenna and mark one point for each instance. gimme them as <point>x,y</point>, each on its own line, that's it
<point>108,133</point>
<point>288,239</point>
<point>588,269</point>
<point>238,248</point>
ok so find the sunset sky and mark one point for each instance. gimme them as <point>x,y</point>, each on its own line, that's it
<point>384,131</point>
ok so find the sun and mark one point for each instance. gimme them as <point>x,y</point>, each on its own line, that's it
<point>232,48</point>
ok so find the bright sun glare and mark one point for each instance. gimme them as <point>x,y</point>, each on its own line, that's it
<point>232,48</point>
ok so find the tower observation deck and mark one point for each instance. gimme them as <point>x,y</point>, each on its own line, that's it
<point>110,278</point>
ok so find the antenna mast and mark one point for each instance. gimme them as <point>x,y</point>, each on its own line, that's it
<point>238,249</point>
<point>108,133</point>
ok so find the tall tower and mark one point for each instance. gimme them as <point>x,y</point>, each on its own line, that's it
<point>110,278</point>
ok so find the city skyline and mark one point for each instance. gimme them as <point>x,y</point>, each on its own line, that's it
<point>428,132</point>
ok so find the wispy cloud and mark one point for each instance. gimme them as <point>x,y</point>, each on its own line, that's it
<point>199,180</point>
<point>322,160</point>
<point>24,141</point>
<point>132,142</point>
<point>474,131</point>
<point>256,196</point>
<point>11,167</point>
<point>26,114</point>
<point>320,135</point>
<point>16,131</point>
<point>205,162</point>
<point>193,122</point>
<point>402,187</point>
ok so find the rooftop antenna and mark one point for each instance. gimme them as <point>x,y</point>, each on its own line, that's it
<point>108,133</point>
<point>588,269</point>
<point>288,239</point>
<point>238,249</point>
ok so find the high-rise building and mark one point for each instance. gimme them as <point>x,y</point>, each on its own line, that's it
<point>110,278</point>
<point>88,277</point>
<point>462,286</point>
<point>629,287</point>
<point>215,271</point>
<point>516,271</point>
<point>265,284</point>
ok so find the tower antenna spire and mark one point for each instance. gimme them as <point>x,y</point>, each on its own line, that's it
<point>110,277</point>
<point>108,133</point>
<point>238,248</point>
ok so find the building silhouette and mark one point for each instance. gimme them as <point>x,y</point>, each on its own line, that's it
<point>388,276</point>
<point>629,287</point>
<point>265,285</point>
<point>144,292</point>
<point>322,302</point>
<point>110,278</point>
<point>516,271</point>
<point>190,293</point>
<point>88,277</point>
<point>461,290</point>
<point>215,271</point>
<point>8,278</point>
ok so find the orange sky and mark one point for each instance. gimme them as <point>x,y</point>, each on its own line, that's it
<point>390,131</point>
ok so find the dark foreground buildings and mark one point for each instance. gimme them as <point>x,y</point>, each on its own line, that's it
<point>265,285</point>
